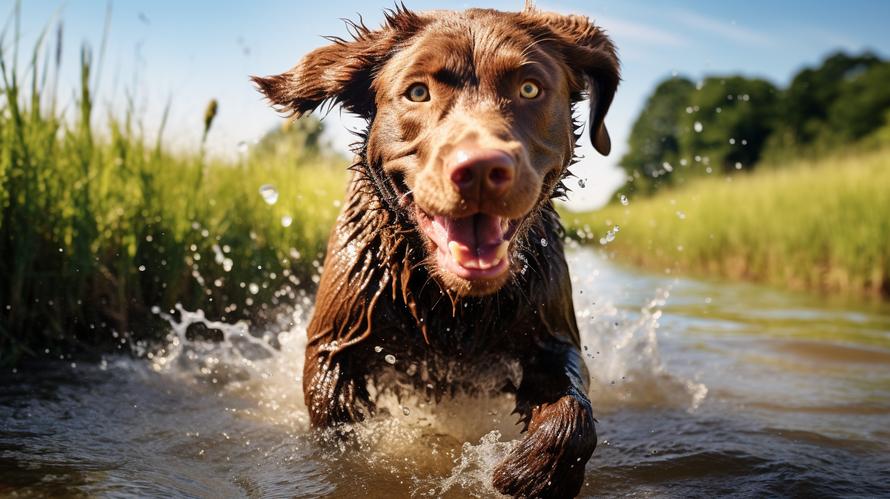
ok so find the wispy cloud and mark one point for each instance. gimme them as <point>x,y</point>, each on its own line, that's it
<point>724,29</point>
<point>625,30</point>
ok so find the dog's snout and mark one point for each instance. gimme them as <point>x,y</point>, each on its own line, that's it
<point>482,173</point>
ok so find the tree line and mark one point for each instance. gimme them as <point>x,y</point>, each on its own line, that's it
<point>727,124</point>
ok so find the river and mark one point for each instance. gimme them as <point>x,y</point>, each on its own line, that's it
<point>701,389</point>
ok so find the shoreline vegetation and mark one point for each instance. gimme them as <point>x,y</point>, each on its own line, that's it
<point>736,177</point>
<point>99,225</point>
<point>813,224</point>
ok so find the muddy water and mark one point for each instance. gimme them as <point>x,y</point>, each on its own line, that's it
<point>700,388</point>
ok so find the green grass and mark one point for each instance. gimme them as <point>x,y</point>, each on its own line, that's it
<point>97,226</point>
<point>814,224</point>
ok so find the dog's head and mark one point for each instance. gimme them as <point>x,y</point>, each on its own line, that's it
<point>470,121</point>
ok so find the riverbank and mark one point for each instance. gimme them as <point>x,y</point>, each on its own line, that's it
<point>101,223</point>
<point>819,225</point>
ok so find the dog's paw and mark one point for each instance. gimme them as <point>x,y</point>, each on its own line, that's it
<point>550,460</point>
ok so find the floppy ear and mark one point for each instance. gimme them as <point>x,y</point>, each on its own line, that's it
<point>590,53</point>
<point>341,72</point>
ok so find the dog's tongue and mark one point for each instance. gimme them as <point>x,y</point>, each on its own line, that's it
<point>474,242</point>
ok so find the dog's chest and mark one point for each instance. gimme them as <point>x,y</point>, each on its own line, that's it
<point>435,374</point>
<point>448,360</point>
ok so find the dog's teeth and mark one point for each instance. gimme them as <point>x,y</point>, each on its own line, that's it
<point>502,251</point>
<point>462,255</point>
<point>500,254</point>
<point>454,247</point>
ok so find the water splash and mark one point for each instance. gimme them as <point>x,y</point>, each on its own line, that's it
<point>624,360</point>
<point>472,470</point>
<point>446,448</point>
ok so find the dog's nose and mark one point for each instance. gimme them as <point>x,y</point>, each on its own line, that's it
<point>482,173</point>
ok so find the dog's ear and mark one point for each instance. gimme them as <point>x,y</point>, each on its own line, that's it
<point>341,72</point>
<point>589,52</point>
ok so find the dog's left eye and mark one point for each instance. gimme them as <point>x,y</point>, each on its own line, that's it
<point>418,93</point>
<point>529,89</point>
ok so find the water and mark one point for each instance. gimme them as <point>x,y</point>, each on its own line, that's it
<point>269,193</point>
<point>700,389</point>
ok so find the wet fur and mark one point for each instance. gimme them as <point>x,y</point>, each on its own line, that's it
<point>381,293</point>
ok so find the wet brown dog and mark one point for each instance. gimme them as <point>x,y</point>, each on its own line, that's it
<point>448,255</point>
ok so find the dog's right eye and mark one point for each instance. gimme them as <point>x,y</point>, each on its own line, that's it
<point>418,93</point>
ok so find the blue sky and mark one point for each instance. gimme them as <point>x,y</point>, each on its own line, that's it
<point>192,51</point>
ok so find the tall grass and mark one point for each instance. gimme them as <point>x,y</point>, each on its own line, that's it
<point>815,224</point>
<point>97,226</point>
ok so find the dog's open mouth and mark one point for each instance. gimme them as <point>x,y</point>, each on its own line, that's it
<point>473,247</point>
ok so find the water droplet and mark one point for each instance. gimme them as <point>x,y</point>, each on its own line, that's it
<point>406,411</point>
<point>610,235</point>
<point>286,220</point>
<point>697,126</point>
<point>543,242</point>
<point>624,200</point>
<point>378,349</point>
<point>269,193</point>
<point>142,268</point>
<point>390,358</point>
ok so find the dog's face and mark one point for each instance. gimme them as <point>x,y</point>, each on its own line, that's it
<point>470,118</point>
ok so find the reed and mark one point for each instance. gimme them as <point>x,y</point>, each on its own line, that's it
<point>100,225</point>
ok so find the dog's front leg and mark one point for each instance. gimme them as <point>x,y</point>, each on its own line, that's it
<point>333,390</point>
<point>549,461</point>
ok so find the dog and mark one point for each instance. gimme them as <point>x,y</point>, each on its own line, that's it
<point>446,265</point>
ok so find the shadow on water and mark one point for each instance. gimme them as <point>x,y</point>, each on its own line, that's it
<point>701,389</point>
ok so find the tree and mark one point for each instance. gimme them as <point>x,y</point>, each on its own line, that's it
<point>654,138</point>
<point>727,123</point>
<point>813,91</point>
<point>861,105</point>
